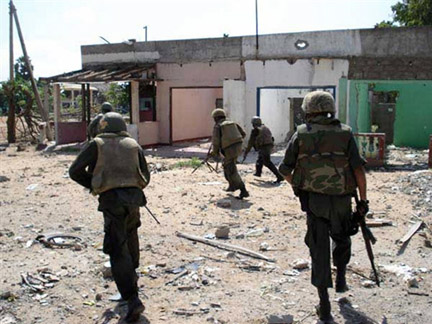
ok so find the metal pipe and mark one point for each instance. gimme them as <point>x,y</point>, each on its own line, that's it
<point>145,27</point>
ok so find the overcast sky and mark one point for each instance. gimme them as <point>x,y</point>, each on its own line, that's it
<point>55,29</point>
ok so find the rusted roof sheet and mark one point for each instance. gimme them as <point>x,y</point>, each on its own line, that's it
<point>106,74</point>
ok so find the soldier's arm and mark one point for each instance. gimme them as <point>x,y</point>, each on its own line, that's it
<point>357,164</point>
<point>143,166</point>
<point>92,128</point>
<point>241,130</point>
<point>81,169</point>
<point>251,141</point>
<point>289,162</point>
<point>216,140</point>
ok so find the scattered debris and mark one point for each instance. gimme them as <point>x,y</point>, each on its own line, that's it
<point>32,187</point>
<point>417,293</point>
<point>222,232</point>
<point>225,246</point>
<point>4,179</point>
<point>61,240</point>
<point>190,312</point>
<point>39,282</point>
<point>411,232</point>
<point>300,264</point>
<point>379,222</point>
<point>264,246</point>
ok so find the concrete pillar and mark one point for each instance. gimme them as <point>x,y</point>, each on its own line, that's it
<point>57,108</point>
<point>135,102</point>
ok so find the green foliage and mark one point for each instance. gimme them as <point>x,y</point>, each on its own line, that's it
<point>410,13</point>
<point>191,163</point>
<point>21,71</point>
<point>118,94</point>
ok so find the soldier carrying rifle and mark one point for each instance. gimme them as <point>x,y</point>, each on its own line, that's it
<point>323,165</point>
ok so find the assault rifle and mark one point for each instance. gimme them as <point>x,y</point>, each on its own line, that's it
<point>368,237</point>
<point>206,162</point>
<point>152,215</point>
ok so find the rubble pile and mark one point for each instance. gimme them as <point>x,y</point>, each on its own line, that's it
<point>418,185</point>
<point>407,158</point>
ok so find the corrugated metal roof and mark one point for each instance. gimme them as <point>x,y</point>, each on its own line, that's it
<point>105,74</point>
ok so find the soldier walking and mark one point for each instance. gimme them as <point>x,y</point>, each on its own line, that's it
<point>113,166</point>
<point>227,140</point>
<point>323,165</point>
<point>93,128</point>
<point>261,140</point>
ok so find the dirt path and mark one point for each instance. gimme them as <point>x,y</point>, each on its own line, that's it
<point>219,287</point>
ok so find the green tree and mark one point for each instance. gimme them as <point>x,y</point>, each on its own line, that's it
<point>409,13</point>
<point>21,71</point>
<point>118,94</point>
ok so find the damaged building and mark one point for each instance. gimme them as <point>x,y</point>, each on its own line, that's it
<point>381,80</point>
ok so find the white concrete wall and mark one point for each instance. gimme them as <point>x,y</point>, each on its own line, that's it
<point>280,73</point>
<point>234,100</point>
<point>188,75</point>
<point>191,112</point>
<point>275,112</point>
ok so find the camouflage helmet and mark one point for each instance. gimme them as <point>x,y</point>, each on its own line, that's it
<point>112,122</point>
<point>256,121</point>
<point>106,107</point>
<point>218,112</point>
<point>318,102</point>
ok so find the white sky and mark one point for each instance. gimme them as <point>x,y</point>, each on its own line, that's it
<point>54,30</point>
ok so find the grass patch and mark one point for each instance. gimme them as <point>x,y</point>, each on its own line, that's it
<point>191,163</point>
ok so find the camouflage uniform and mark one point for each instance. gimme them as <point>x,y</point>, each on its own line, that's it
<point>328,214</point>
<point>113,166</point>
<point>261,140</point>
<point>227,139</point>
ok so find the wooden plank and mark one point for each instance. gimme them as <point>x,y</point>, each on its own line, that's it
<point>378,222</point>
<point>226,246</point>
<point>411,232</point>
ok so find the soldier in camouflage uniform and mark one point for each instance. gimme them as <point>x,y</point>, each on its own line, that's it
<point>323,165</point>
<point>227,140</point>
<point>93,127</point>
<point>113,166</point>
<point>261,140</point>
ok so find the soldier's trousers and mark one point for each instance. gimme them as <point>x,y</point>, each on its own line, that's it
<point>265,160</point>
<point>231,153</point>
<point>319,232</point>
<point>122,245</point>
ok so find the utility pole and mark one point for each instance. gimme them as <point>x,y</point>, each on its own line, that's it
<point>11,53</point>
<point>145,27</point>
<point>44,114</point>
<point>256,26</point>
<point>11,135</point>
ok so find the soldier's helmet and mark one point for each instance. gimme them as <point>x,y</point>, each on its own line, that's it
<point>112,122</point>
<point>218,112</point>
<point>256,121</point>
<point>106,107</point>
<point>318,102</point>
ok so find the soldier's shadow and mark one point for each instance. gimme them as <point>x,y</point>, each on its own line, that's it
<point>110,316</point>
<point>353,316</point>
<point>236,204</point>
<point>266,184</point>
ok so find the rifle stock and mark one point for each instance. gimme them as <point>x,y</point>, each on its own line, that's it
<point>369,239</point>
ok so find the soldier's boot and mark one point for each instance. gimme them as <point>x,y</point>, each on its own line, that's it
<point>341,285</point>
<point>243,193</point>
<point>258,170</point>
<point>230,189</point>
<point>135,308</point>
<point>324,308</point>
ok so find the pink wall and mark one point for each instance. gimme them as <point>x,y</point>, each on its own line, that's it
<point>191,112</point>
<point>188,75</point>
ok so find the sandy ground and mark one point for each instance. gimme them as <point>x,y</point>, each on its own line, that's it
<point>218,286</point>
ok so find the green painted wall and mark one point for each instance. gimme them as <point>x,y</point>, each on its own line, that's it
<point>413,123</point>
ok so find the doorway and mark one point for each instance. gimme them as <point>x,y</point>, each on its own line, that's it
<point>383,113</point>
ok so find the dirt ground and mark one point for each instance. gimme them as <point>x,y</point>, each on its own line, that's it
<point>186,282</point>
